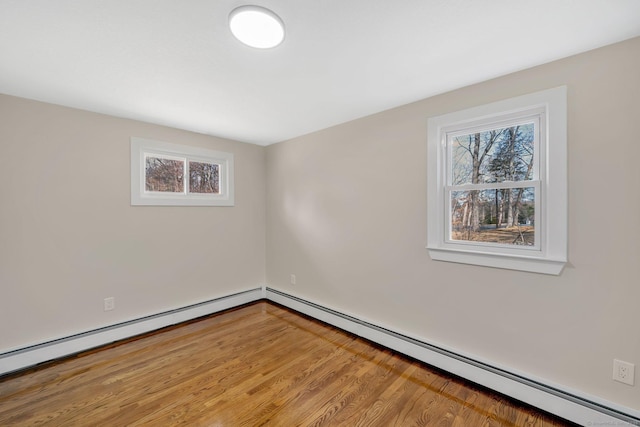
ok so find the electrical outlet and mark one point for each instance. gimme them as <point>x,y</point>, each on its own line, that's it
<point>623,371</point>
<point>109,303</point>
<point>293,279</point>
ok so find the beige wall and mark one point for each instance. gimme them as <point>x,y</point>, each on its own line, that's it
<point>346,213</point>
<point>69,237</point>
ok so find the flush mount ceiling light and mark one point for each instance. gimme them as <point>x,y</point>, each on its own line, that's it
<point>256,26</point>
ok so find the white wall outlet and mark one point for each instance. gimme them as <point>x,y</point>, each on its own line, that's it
<point>109,303</point>
<point>293,279</point>
<point>623,372</point>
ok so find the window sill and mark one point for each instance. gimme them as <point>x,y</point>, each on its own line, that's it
<point>509,262</point>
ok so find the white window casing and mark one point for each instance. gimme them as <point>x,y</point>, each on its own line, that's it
<point>548,111</point>
<point>141,149</point>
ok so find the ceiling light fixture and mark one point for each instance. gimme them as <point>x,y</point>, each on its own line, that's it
<point>256,26</point>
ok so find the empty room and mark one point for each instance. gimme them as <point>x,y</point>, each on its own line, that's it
<point>319,213</point>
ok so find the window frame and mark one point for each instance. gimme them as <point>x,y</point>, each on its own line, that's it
<point>142,148</point>
<point>549,255</point>
<point>535,116</point>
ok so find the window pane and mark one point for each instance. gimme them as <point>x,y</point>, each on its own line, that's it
<point>165,175</point>
<point>503,216</point>
<point>497,155</point>
<point>204,178</point>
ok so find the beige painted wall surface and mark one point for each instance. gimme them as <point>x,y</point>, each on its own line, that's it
<point>346,213</point>
<point>69,237</point>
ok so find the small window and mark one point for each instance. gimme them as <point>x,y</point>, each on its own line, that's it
<point>497,184</point>
<point>171,174</point>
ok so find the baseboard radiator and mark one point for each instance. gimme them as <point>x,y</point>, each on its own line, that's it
<point>569,404</point>
<point>26,357</point>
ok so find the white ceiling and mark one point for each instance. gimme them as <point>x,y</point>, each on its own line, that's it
<point>175,62</point>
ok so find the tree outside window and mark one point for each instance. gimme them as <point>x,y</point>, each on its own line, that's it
<point>493,213</point>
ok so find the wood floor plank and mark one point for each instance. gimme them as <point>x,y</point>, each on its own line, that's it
<point>257,365</point>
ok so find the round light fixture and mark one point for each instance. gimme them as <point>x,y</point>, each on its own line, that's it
<point>256,26</point>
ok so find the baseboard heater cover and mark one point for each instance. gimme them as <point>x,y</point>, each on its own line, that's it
<point>571,405</point>
<point>26,357</point>
<point>584,410</point>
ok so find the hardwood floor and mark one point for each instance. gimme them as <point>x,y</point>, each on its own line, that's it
<point>256,365</point>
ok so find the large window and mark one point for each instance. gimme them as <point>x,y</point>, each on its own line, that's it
<point>171,174</point>
<point>497,184</point>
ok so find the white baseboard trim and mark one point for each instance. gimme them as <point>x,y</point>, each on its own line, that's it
<point>33,355</point>
<point>568,404</point>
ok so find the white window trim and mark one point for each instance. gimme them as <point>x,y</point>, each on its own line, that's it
<point>551,256</point>
<point>141,147</point>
